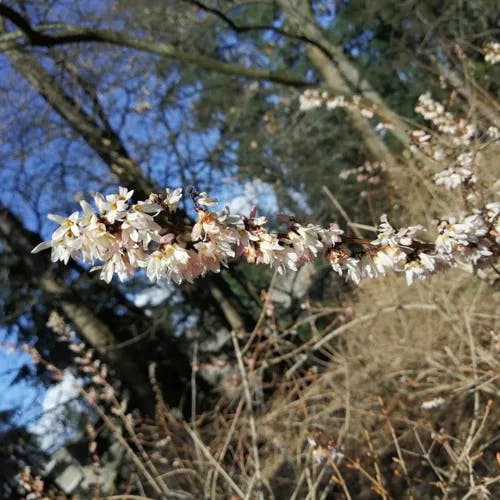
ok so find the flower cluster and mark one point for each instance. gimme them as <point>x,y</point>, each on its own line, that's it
<point>492,52</point>
<point>369,174</point>
<point>450,149</point>
<point>459,130</point>
<point>314,98</point>
<point>125,236</point>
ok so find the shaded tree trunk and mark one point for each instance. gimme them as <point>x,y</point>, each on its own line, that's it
<point>58,294</point>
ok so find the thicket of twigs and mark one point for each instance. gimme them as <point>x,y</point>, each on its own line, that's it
<point>392,393</point>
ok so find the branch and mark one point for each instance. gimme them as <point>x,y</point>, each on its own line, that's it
<point>121,239</point>
<point>258,27</point>
<point>76,34</point>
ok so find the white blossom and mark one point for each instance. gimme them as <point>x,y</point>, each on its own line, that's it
<point>332,235</point>
<point>172,198</point>
<point>204,199</point>
<point>122,238</point>
<point>432,404</point>
<point>388,236</point>
<point>492,52</point>
<point>310,99</point>
<point>113,206</point>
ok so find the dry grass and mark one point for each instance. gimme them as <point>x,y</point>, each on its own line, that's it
<point>362,394</point>
<point>406,387</point>
<point>391,349</point>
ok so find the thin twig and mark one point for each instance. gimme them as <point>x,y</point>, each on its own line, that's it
<point>227,441</point>
<point>340,478</point>
<point>344,214</point>
<point>248,397</point>
<point>214,462</point>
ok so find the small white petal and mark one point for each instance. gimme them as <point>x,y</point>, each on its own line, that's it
<point>44,245</point>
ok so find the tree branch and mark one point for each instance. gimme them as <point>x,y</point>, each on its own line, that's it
<point>257,27</point>
<point>76,34</point>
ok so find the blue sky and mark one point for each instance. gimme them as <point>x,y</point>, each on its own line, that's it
<point>23,397</point>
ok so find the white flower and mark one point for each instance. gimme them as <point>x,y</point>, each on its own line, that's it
<point>113,206</point>
<point>332,235</point>
<point>450,235</point>
<point>269,247</point>
<point>147,207</point>
<point>336,102</point>
<point>155,266</point>
<point>204,199</point>
<point>175,255</point>
<point>118,263</point>
<point>207,225</point>
<point>455,233</point>
<point>388,236</point>
<point>450,178</point>
<point>310,99</point>
<point>351,266</point>
<point>225,217</point>
<point>429,108</point>
<point>428,261</point>
<point>208,255</point>
<point>68,226</point>
<point>341,261</point>
<point>433,404</point>
<point>62,251</point>
<point>388,257</point>
<point>140,227</point>
<point>285,260</point>
<point>305,240</point>
<point>492,52</point>
<point>97,243</point>
<point>65,241</point>
<point>172,198</point>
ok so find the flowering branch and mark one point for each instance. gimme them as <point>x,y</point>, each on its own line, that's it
<point>125,237</point>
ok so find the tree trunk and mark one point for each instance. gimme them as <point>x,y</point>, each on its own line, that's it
<point>59,295</point>
<point>342,76</point>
